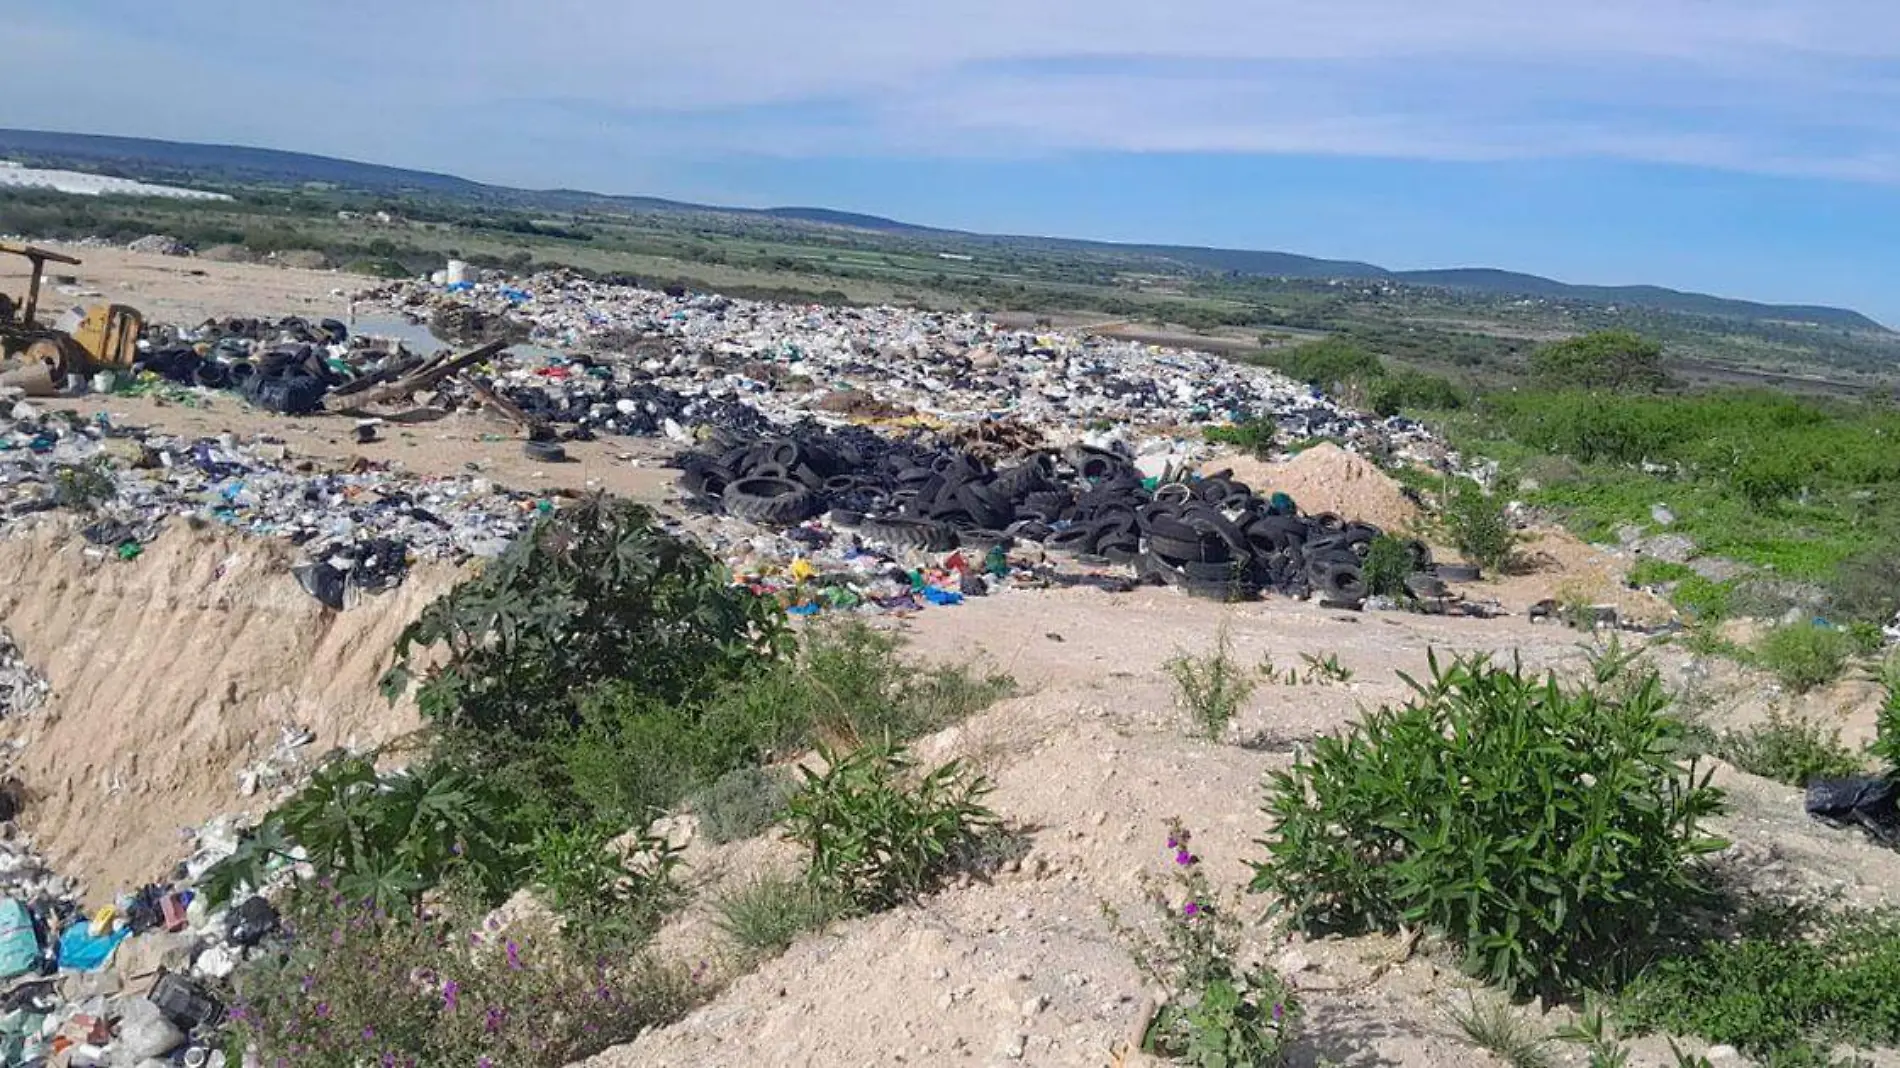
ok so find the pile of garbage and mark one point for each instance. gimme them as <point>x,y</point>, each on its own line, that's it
<point>791,361</point>
<point>131,984</point>
<point>22,690</point>
<point>359,528</point>
<point>288,366</point>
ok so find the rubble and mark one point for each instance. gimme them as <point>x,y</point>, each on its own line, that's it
<point>22,690</point>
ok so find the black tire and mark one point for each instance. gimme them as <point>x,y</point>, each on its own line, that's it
<point>547,452</point>
<point>777,501</point>
<point>211,376</point>
<point>1342,582</point>
<point>903,533</point>
<point>1203,549</point>
<point>1025,478</point>
<point>1457,572</point>
<point>1424,587</point>
<point>1079,538</point>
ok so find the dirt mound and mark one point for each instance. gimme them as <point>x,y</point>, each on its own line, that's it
<point>1327,478</point>
<point>171,675</point>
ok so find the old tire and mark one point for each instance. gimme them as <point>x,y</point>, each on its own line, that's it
<point>906,533</point>
<point>770,500</point>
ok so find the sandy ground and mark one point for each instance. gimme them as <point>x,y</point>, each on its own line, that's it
<point>1090,765</point>
<point>185,290</point>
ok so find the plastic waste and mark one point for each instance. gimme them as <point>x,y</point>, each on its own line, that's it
<point>147,1030</point>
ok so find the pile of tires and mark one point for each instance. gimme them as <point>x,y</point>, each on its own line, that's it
<point>1213,538</point>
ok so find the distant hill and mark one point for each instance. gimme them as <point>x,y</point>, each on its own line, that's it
<point>140,157</point>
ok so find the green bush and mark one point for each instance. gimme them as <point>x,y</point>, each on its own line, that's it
<point>1804,656</point>
<point>1789,750</point>
<point>383,838</point>
<point>1478,527</point>
<point>1782,994</point>
<point>876,838</point>
<point>742,803</point>
<point>1211,688</point>
<point>1613,360</point>
<point>1389,562</point>
<point>1218,1011</point>
<point>1546,831</point>
<point>592,594</point>
<point>1886,747</point>
<point>1254,437</point>
<point>1866,587</point>
<point>767,914</point>
<point>1328,363</point>
<point>360,988</point>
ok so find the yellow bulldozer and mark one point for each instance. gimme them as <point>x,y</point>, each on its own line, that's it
<point>40,358</point>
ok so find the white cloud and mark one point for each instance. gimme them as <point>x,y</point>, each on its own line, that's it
<point>1801,86</point>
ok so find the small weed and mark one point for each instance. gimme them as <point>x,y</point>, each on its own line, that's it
<point>1217,1012</point>
<point>877,839</point>
<point>1491,1024</point>
<point>83,487</point>
<point>1886,747</point>
<point>1804,656</point>
<point>742,803</point>
<point>768,913</point>
<point>1211,688</point>
<point>1252,436</point>
<point>1789,750</point>
<point>1592,1032</point>
<point>1326,670</point>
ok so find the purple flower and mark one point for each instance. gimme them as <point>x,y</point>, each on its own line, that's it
<point>484,1063</point>
<point>369,1034</point>
<point>323,1010</point>
<point>1172,844</point>
<point>309,981</point>
<point>389,1060</point>
<point>1279,1012</point>
<point>492,1022</point>
<point>1190,910</point>
<point>514,955</point>
<point>449,990</point>
<point>1185,858</point>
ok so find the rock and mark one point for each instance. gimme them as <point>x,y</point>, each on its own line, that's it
<point>1669,548</point>
<point>1034,1006</point>
<point>1662,515</point>
<point>1716,569</point>
<point>1010,1045</point>
<point>1723,1053</point>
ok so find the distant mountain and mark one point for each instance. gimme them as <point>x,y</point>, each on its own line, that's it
<point>175,160</point>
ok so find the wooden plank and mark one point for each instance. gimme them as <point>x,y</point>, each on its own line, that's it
<point>429,376</point>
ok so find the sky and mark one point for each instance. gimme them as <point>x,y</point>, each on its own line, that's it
<point>1749,148</point>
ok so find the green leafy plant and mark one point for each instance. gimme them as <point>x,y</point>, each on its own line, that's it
<point>1389,561</point>
<point>1211,688</point>
<point>766,915</point>
<point>614,892</point>
<point>1790,750</point>
<point>591,594</point>
<point>1478,526</point>
<point>1492,1025</point>
<point>384,838</point>
<point>1804,656</point>
<point>742,803</point>
<point>1547,831</point>
<point>1784,992</point>
<point>1217,1013</point>
<point>875,837</point>
<point>1613,360</point>
<point>1886,747</point>
<point>1255,437</point>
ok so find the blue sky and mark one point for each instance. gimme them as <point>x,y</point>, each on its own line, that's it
<point>1745,147</point>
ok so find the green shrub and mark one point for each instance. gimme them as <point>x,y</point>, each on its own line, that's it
<point>1886,747</point>
<point>383,838</point>
<point>1782,994</point>
<point>767,914</point>
<point>83,487</point>
<point>1546,831</point>
<point>613,893</point>
<point>592,594</point>
<point>1327,363</point>
<point>1478,527</point>
<point>1211,688</point>
<point>877,839</point>
<point>1388,563</point>
<point>1614,360</point>
<point>1789,750</point>
<point>1254,437</point>
<point>1493,1025</point>
<point>359,987</point>
<point>742,803</point>
<point>1217,1010</point>
<point>1804,656</point>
